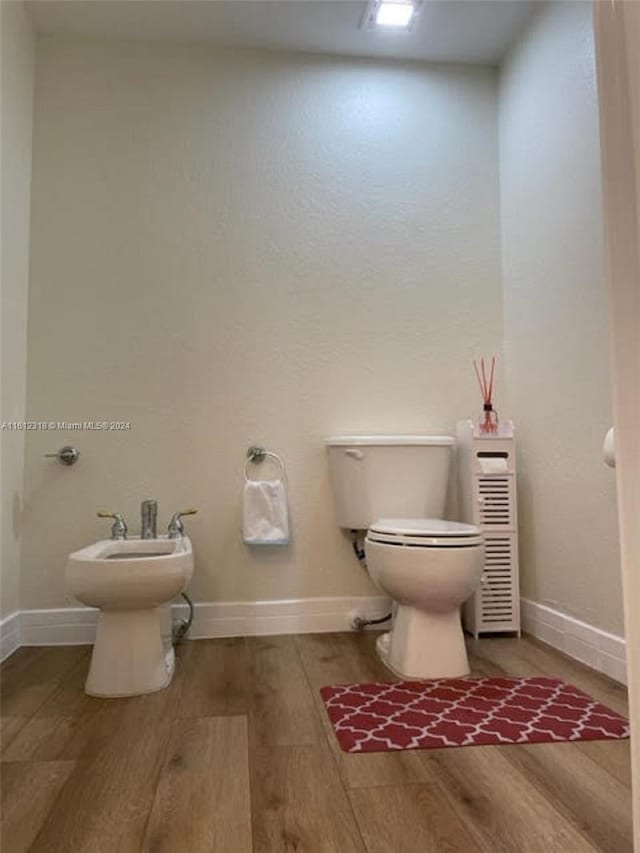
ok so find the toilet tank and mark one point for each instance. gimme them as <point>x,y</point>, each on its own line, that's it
<point>388,476</point>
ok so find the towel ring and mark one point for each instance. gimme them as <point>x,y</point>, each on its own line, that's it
<point>257,455</point>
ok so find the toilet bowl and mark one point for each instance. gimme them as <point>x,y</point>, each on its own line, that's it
<point>429,567</point>
<point>129,581</point>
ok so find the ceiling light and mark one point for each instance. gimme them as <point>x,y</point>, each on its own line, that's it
<point>394,13</point>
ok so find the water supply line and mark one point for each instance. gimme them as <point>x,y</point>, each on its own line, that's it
<point>358,550</point>
<point>359,622</point>
<point>181,629</point>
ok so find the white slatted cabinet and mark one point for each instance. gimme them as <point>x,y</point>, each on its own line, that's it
<point>488,499</point>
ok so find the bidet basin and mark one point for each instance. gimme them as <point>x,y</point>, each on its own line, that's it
<point>128,573</point>
<point>129,581</point>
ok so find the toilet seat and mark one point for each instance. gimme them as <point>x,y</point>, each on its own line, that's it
<point>424,533</point>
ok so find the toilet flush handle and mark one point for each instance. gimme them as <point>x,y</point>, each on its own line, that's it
<point>354,454</point>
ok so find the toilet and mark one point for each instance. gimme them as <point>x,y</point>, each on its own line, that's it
<point>394,487</point>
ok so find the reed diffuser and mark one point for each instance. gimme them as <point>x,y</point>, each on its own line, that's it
<point>488,421</point>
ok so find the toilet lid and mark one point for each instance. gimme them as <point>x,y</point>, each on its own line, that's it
<point>427,532</point>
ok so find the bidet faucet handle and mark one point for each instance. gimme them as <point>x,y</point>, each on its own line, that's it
<point>119,528</point>
<point>176,527</point>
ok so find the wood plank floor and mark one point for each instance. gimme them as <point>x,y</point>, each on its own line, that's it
<point>237,755</point>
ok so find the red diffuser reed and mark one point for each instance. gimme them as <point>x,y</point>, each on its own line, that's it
<point>489,419</point>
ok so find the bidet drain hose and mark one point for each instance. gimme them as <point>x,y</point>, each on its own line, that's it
<point>189,622</point>
<point>182,628</point>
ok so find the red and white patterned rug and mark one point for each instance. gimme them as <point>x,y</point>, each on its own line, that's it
<point>465,712</point>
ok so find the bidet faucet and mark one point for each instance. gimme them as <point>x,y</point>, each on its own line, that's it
<point>119,527</point>
<point>148,519</point>
<point>176,527</point>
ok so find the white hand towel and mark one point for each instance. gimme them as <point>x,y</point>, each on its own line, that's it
<point>266,519</point>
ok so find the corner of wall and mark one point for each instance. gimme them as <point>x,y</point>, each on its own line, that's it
<point>16,130</point>
<point>554,316</point>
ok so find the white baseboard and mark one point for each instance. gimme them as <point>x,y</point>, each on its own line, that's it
<point>603,652</point>
<point>65,626</point>
<point>77,625</point>
<point>289,616</point>
<point>9,635</point>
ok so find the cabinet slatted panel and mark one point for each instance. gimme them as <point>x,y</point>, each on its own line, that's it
<point>497,604</point>
<point>495,501</point>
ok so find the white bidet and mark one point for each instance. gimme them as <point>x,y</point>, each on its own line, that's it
<point>129,581</point>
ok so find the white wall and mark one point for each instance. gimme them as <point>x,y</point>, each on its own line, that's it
<point>231,248</point>
<point>618,50</point>
<point>16,82</point>
<point>556,347</point>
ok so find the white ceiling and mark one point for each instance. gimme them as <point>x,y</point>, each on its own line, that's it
<point>477,31</point>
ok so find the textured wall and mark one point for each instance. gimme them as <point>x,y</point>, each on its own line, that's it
<point>17,76</point>
<point>556,317</point>
<point>239,247</point>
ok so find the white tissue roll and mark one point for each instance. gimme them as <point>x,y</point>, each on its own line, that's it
<point>493,465</point>
<point>609,450</point>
